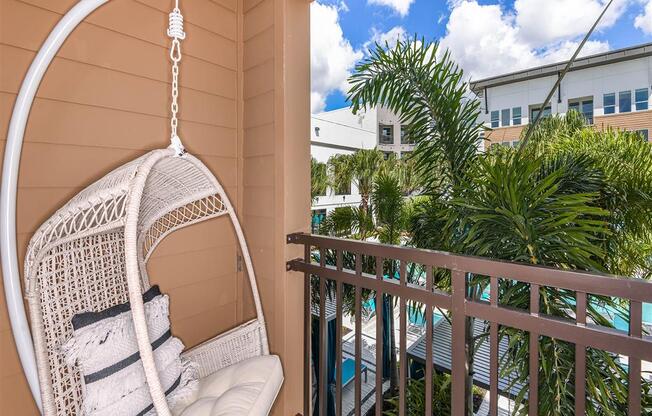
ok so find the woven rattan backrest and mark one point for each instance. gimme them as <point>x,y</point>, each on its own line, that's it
<point>84,274</point>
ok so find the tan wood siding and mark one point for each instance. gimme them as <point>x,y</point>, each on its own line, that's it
<point>104,101</point>
<point>639,120</point>
<point>504,134</point>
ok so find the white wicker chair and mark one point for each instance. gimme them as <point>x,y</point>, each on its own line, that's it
<point>92,254</point>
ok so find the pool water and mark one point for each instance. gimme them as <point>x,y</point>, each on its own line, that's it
<point>610,313</point>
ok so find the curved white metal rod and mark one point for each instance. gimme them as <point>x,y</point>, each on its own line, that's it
<point>13,147</point>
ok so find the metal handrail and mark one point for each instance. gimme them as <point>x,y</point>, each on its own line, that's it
<point>580,333</point>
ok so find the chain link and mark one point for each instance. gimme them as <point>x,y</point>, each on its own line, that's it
<point>175,31</point>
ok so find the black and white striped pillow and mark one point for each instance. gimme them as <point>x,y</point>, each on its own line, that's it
<point>104,348</point>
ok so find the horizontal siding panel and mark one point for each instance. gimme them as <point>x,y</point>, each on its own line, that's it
<point>216,233</point>
<point>250,4</point>
<point>15,397</point>
<point>263,237</point>
<point>639,120</point>
<point>258,19</point>
<point>190,268</point>
<point>8,356</point>
<point>191,300</point>
<point>205,325</point>
<point>259,111</point>
<point>146,23</point>
<point>56,122</point>
<point>259,80</point>
<point>229,4</point>
<point>97,86</point>
<point>259,202</point>
<point>259,141</point>
<point>206,14</point>
<point>259,49</point>
<point>259,171</point>
<point>112,50</point>
<point>262,258</point>
<point>35,206</point>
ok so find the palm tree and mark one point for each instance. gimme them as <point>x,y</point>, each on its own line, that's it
<point>386,221</point>
<point>360,168</point>
<point>574,198</point>
<point>425,88</point>
<point>318,178</point>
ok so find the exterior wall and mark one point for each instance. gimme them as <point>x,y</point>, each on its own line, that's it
<point>586,83</point>
<point>386,117</point>
<point>340,132</point>
<point>640,120</point>
<point>276,172</point>
<point>104,101</point>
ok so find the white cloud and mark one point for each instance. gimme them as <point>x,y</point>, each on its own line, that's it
<point>644,20</point>
<point>543,21</point>
<point>487,41</point>
<point>402,7</point>
<point>332,57</point>
<point>393,35</point>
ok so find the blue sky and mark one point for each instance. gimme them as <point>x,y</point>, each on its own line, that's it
<point>487,37</point>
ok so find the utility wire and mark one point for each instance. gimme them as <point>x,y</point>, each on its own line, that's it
<point>561,76</point>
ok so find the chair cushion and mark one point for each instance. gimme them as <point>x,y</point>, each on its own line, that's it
<point>247,388</point>
<point>105,350</point>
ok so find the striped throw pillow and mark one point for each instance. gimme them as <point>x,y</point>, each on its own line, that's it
<point>105,350</point>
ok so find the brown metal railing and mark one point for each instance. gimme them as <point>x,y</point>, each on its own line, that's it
<point>582,335</point>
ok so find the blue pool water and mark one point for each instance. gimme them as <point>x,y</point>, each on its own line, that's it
<point>610,313</point>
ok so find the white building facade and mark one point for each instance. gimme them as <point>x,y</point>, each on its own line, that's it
<point>612,89</point>
<point>342,132</point>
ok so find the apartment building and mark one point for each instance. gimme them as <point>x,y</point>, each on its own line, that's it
<point>611,89</point>
<point>342,132</point>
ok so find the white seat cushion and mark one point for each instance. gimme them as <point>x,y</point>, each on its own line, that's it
<point>247,388</point>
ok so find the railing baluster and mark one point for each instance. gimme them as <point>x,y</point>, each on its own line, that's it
<point>428,320</point>
<point>307,331</point>
<point>580,357</point>
<point>459,365</point>
<point>338,344</point>
<point>533,393</point>
<point>402,343</point>
<point>379,340</point>
<point>493,351</point>
<point>323,339</point>
<point>635,330</point>
<point>358,338</point>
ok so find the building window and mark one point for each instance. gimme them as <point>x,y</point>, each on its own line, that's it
<point>641,98</point>
<point>386,134</point>
<point>610,103</point>
<point>495,119</point>
<point>645,134</point>
<point>534,113</point>
<point>515,143</point>
<point>516,116</point>
<point>505,116</point>
<point>405,137</point>
<point>625,101</point>
<point>585,107</point>
<point>387,155</point>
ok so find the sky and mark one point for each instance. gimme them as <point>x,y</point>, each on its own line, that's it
<point>486,37</point>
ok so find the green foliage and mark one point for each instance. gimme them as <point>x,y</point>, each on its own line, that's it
<point>318,178</point>
<point>415,397</point>
<point>572,198</point>
<point>426,88</point>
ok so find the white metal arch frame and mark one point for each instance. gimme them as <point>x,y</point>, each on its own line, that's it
<point>13,148</point>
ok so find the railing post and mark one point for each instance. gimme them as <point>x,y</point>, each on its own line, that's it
<point>459,365</point>
<point>307,330</point>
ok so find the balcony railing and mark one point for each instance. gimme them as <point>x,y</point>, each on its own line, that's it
<point>580,332</point>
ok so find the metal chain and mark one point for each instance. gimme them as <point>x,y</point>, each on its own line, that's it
<point>175,31</point>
